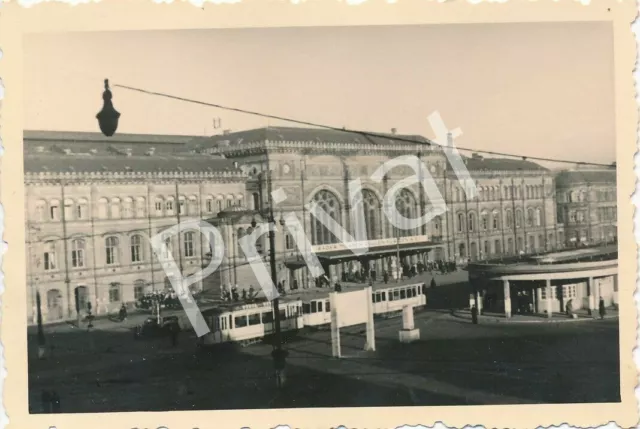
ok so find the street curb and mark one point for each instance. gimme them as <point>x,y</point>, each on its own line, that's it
<point>491,319</point>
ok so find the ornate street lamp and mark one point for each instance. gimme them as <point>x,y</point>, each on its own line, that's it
<point>108,116</point>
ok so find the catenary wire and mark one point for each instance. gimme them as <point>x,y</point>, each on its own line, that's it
<point>343,129</point>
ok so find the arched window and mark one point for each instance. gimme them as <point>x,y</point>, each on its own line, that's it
<point>495,220</point>
<point>460,222</point>
<point>111,250</point>
<point>77,253</point>
<point>182,201</point>
<point>406,206</point>
<point>509,219</point>
<point>136,248</point>
<point>68,209</point>
<point>288,241</point>
<point>189,244</point>
<point>484,220</point>
<point>138,289</point>
<point>41,208</point>
<point>518,218</point>
<point>169,206</point>
<point>529,216</point>
<point>192,207</point>
<point>81,209</point>
<point>115,208</point>
<point>437,226</point>
<point>538,217</point>
<point>229,201</point>
<point>114,292</point>
<point>127,208</point>
<point>472,221</point>
<point>328,202</point>
<point>371,210</point>
<point>141,207</point>
<point>158,205</point>
<point>103,208</point>
<point>219,202</point>
<point>50,256</point>
<point>208,204</point>
<point>54,210</point>
<point>492,193</point>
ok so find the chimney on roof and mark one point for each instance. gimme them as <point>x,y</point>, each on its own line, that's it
<point>226,132</point>
<point>394,131</point>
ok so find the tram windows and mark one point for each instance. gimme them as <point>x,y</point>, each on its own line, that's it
<point>267,317</point>
<point>223,323</point>
<point>403,294</point>
<point>306,308</point>
<point>254,319</point>
<point>240,321</point>
<point>319,306</point>
<point>314,307</point>
<point>384,296</point>
<point>230,322</point>
<point>327,306</point>
<point>390,295</point>
<point>396,294</point>
<point>283,314</point>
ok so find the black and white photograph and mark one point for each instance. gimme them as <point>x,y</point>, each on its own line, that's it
<point>321,217</point>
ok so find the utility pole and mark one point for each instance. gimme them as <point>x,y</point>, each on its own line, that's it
<point>67,280</point>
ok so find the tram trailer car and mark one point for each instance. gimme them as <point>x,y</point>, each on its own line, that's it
<point>249,323</point>
<point>387,302</point>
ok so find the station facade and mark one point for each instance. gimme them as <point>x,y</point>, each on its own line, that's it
<point>91,202</point>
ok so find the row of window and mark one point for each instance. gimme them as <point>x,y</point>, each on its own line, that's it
<point>137,251</point>
<point>486,249</point>
<point>578,196</point>
<point>492,193</point>
<point>492,220</point>
<point>568,291</point>
<point>117,208</point>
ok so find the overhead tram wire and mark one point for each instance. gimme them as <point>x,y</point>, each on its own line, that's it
<point>347,130</point>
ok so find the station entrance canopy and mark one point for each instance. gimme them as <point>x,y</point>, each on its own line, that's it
<point>331,253</point>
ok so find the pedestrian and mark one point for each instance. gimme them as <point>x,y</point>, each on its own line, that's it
<point>474,315</point>
<point>279,362</point>
<point>338,287</point>
<point>601,308</point>
<point>433,282</point>
<point>123,312</point>
<point>385,277</point>
<point>244,294</point>
<point>252,291</point>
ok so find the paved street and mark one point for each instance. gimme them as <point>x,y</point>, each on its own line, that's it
<point>454,363</point>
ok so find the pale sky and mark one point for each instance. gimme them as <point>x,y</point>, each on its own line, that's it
<point>531,89</point>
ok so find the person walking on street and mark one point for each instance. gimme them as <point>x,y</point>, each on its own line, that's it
<point>279,360</point>
<point>474,315</point>
<point>123,312</point>
<point>175,331</point>
<point>433,282</point>
<point>601,308</point>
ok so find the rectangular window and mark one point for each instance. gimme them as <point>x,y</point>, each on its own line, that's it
<point>403,294</point>
<point>240,321</point>
<point>53,212</point>
<point>306,308</point>
<point>50,260</point>
<point>77,258</point>
<point>209,206</point>
<point>254,319</point>
<point>181,207</point>
<point>314,307</point>
<point>229,203</point>
<point>384,296</point>
<point>267,317</point>
<point>114,294</point>
<point>283,314</point>
<point>81,211</point>
<point>138,292</point>
<point>327,307</point>
<point>188,245</point>
<point>320,307</point>
<point>135,253</point>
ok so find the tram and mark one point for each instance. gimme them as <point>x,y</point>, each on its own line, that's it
<point>245,324</point>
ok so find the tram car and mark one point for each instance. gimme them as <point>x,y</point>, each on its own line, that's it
<point>386,302</point>
<point>249,323</point>
<point>393,299</point>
